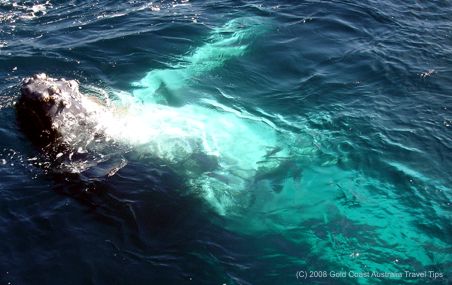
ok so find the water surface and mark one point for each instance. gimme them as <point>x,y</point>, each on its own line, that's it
<point>331,122</point>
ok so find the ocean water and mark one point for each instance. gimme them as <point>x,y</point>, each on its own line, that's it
<point>258,142</point>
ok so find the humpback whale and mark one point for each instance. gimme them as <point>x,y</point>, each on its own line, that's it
<point>218,150</point>
<point>216,153</point>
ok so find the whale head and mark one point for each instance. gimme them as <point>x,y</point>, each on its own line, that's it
<point>46,104</point>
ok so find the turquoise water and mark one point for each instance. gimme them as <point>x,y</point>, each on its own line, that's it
<point>260,140</point>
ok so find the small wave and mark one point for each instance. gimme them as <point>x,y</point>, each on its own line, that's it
<point>26,11</point>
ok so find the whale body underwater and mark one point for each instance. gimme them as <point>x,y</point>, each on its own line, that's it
<point>219,151</point>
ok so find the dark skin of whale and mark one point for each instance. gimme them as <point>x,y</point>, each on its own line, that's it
<point>46,104</point>
<point>52,114</point>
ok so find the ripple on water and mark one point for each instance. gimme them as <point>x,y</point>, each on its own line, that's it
<point>358,92</point>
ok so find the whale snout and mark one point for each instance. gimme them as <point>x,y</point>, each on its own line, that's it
<point>43,92</point>
<point>44,103</point>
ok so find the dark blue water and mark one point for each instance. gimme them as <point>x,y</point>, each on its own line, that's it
<point>357,94</point>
